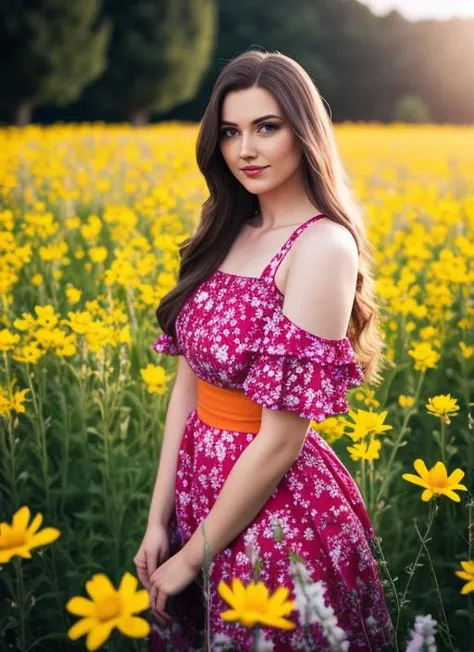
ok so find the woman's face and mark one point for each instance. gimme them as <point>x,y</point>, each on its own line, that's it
<point>245,139</point>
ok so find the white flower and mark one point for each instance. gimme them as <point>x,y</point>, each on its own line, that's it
<point>309,602</point>
<point>423,635</point>
<point>220,642</point>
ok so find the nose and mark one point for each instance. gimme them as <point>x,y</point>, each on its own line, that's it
<point>247,147</point>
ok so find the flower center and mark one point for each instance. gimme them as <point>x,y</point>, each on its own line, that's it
<point>438,483</point>
<point>109,607</point>
<point>254,605</point>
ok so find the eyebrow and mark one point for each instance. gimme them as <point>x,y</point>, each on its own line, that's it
<point>254,122</point>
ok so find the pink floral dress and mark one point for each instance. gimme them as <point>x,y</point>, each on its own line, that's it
<point>233,334</point>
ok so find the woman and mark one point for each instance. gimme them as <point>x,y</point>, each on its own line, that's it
<point>273,300</point>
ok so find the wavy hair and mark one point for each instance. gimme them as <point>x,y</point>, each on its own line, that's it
<point>229,204</point>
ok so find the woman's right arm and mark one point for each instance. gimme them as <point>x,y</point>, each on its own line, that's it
<point>182,401</point>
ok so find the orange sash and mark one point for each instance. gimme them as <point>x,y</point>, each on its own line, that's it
<point>227,409</point>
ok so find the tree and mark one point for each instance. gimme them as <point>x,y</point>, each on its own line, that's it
<point>158,53</point>
<point>49,51</point>
<point>411,108</point>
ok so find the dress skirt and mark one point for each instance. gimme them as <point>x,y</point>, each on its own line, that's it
<point>315,511</point>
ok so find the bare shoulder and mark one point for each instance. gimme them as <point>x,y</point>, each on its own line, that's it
<point>327,241</point>
<point>323,268</point>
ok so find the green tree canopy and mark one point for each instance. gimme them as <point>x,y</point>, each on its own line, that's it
<point>49,51</point>
<point>158,53</point>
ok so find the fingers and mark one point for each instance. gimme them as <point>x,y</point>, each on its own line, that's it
<point>143,576</point>
<point>159,607</point>
<point>151,562</point>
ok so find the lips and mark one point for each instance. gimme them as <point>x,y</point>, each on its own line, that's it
<point>250,168</point>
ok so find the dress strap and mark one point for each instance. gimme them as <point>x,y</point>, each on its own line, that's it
<point>270,270</point>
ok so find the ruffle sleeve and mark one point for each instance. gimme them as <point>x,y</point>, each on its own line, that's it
<point>166,344</point>
<point>296,371</point>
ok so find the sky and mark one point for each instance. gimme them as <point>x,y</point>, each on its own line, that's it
<point>422,9</point>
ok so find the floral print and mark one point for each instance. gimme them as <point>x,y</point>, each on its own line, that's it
<point>234,334</point>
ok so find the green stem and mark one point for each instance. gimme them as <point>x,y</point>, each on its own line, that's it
<point>431,515</point>
<point>66,441</point>
<point>442,442</point>
<point>372,489</point>
<point>363,487</point>
<point>41,440</point>
<point>20,600</point>
<point>384,485</point>
<point>384,563</point>
<point>423,545</point>
<point>9,457</point>
<point>255,635</point>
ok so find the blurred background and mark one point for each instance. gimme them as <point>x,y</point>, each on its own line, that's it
<point>93,213</point>
<point>152,60</point>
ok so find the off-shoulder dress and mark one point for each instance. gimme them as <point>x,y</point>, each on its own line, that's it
<point>234,335</point>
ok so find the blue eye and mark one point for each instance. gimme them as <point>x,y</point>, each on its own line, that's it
<point>273,127</point>
<point>270,124</point>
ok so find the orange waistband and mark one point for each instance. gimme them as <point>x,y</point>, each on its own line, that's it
<point>227,409</point>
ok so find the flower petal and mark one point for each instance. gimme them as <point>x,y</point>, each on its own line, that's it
<point>239,590</point>
<point>128,585</point>
<point>47,535</point>
<point>274,621</point>
<point>426,495</point>
<point>133,626</point>
<point>278,598</point>
<point>80,606</point>
<point>459,487</point>
<point>138,602</point>
<point>21,518</point>
<point>467,588</point>
<point>420,467</point>
<point>230,614</point>
<point>456,476</point>
<point>439,475</point>
<point>80,628</point>
<point>35,524</point>
<point>99,586</point>
<point>226,594</point>
<point>410,477</point>
<point>99,634</point>
<point>450,494</point>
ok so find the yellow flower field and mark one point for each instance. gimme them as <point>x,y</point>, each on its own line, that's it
<point>91,217</point>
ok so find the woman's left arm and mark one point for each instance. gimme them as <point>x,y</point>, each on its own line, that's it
<point>324,268</point>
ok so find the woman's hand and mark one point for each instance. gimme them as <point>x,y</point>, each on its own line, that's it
<point>154,550</point>
<point>171,578</point>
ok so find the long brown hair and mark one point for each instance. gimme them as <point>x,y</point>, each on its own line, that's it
<point>229,204</point>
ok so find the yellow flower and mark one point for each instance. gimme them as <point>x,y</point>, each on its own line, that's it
<point>331,429</point>
<point>467,574</point>
<point>252,605</point>
<point>18,539</point>
<point>73,295</point>
<point>8,339</point>
<point>98,254</point>
<point>442,406</point>
<point>367,423</point>
<point>424,355</point>
<point>406,401</point>
<point>365,451</point>
<point>436,480</point>
<point>47,318</point>
<point>155,377</point>
<point>466,351</point>
<point>107,609</point>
